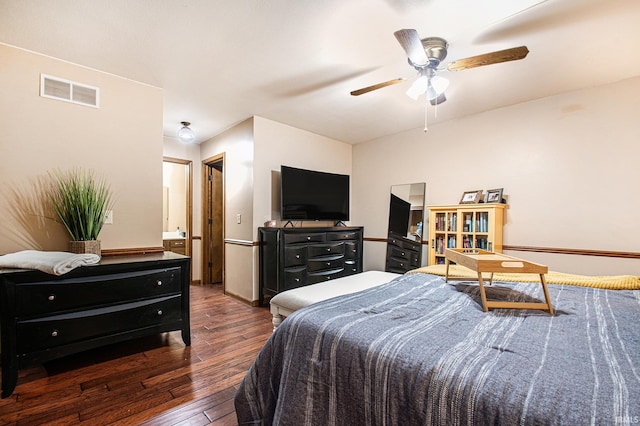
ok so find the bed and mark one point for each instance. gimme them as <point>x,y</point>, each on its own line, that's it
<point>418,350</point>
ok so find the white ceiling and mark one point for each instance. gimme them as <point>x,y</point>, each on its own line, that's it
<point>295,61</point>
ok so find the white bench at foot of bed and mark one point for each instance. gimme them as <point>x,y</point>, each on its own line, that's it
<point>287,302</point>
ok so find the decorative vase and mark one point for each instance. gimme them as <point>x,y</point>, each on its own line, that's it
<point>80,247</point>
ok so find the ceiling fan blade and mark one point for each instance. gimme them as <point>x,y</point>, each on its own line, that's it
<point>496,57</point>
<point>376,87</point>
<point>412,45</point>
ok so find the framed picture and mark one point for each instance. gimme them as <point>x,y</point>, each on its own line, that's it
<point>471,197</point>
<point>494,195</point>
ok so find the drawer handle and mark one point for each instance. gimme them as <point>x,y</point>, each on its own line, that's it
<point>355,251</point>
<point>54,333</point>
<point>52,297</point>
<point>328,278</point>
<point>308,238</point>
<point>159,283</point>
<point>402,264</point>
<point>328,249</point>
<point>328,263</point>
<point>297,280</point>
<point>297,256</point>
<point>402,253</point>
<point>159,312</point>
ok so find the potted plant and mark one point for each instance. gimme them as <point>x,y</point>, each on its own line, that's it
<point>81,201</point>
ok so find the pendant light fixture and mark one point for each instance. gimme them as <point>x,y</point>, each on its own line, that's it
<point>185,134</point>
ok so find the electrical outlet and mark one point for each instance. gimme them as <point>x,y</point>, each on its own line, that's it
<point>238,218</point>
<point>108,217</point>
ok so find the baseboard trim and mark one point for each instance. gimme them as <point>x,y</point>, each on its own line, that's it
<point>242,299</point>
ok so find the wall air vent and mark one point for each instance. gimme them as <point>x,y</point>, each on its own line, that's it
<point>69,91</point>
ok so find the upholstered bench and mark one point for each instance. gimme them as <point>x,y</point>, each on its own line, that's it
<point>287,302</point>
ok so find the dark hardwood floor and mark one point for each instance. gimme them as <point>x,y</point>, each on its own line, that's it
<point>149,381</point>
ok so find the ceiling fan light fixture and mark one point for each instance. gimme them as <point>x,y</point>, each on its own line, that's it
<point>185,134</point>
<point>437,87</point>
<point>418,87</point>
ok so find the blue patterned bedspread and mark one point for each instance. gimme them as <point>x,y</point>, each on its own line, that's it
<point>421,351</point>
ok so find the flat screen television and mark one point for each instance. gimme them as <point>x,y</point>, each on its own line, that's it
<point>399,211</point>
<point>313,195</point>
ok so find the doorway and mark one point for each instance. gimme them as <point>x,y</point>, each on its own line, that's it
<point>177,202</point>
<point>213,221</point>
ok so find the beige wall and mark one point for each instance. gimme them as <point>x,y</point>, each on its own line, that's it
<point>237,146</point>
<point>121,140</point>
<point>568,164</point>
<point>277,144</point>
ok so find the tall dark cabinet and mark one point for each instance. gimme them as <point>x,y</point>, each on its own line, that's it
<point>295,257</point>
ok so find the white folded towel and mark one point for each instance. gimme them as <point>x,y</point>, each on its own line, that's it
<point>51,262</point>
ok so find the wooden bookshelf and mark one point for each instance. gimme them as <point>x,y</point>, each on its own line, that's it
<point>471,226</point>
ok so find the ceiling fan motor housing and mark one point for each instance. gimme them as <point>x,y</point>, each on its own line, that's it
<point>436,50</point>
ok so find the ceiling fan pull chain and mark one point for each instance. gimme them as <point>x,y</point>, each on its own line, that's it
<point>426,111</point>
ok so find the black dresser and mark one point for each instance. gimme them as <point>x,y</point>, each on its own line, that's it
<point>44,316</point>
<point>295,257</point>
<point>403,254</point>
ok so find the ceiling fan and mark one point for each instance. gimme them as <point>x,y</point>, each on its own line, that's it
<point>425,55</point>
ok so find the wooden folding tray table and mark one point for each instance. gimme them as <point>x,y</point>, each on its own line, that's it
<point>485,261</point>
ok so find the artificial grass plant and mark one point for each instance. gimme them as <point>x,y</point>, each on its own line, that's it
<point>81,200</point>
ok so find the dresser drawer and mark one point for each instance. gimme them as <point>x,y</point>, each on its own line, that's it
<point>351,250</point>
<point>411,245</point>
<point>352,267</point>
<point>294,277</point>
<point>402,264</point>
<point>321,265</point>
<point>74,293</point>
<point>48,332</point>
<point>326,250</point>
<point>318,277</point>
<point>291,238</point>
<point>401,253</point>
<point>339,236</point>
<point>295,256</point>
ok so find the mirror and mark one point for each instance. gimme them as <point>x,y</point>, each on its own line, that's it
<point>406,227</point>
<point>176,205</point>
